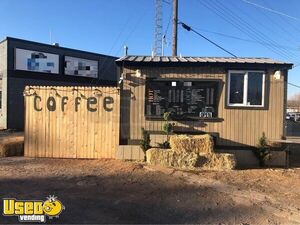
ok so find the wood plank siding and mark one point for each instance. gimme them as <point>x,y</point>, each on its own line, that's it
<point>236,127</point>
<point>71,133</point>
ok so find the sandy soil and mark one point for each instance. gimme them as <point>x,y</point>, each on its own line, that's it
<point>112,191</point>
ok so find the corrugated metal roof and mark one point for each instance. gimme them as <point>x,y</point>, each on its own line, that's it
<point>178,59</point>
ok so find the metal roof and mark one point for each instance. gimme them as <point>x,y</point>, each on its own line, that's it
<point>198,60</point>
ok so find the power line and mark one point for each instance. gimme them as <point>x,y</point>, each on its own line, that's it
<point>138,21</point>
<point>247,40</point>
<point>255,31</point>
<point>188,28</point>
<point>221,14</point>
<point>286,35</point>
<point>169,21</point>
<point>285,20</point>
<point>167,2</point>
<point>294,85</point>
<point>112,48</point>
<point>228,17</point>
<point>271,10</point>
<point>298,64</point>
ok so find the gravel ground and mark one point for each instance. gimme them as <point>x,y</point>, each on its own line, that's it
<point>112,191</point>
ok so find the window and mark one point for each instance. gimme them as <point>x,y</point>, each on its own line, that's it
<point>246,88</point>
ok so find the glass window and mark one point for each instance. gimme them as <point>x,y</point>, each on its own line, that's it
<point>255,82</point>
<point>246,88</point>
<point>236,88</point>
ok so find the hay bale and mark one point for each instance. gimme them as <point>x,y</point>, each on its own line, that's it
<point>156,156</point>
<point>197,144</point>
<point>168,157</point>
<point>12,147</point>
<point>186,160</point>
<point>220,161</point>
<point>190,160</point>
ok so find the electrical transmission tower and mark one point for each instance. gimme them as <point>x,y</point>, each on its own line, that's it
<point>158,37</point>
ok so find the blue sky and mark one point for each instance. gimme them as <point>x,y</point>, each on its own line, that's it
<point>106,26</point>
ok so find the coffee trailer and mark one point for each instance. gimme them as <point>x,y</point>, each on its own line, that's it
<point>234,99</point>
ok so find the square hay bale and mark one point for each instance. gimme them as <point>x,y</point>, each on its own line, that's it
<point>157,156</point>
<point>197,143</point>
<point>220,161</point>
<point>12,147</point>
<point>168,157</point>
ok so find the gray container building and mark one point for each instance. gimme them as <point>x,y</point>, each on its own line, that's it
<point>30,63</point>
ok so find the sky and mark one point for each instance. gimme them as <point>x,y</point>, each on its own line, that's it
<point>247,28</point>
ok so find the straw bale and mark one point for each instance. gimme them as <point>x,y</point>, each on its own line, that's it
<point>198,143</point>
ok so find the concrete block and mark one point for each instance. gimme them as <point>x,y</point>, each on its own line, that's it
<point>278,158</point>
<point>129,152</point>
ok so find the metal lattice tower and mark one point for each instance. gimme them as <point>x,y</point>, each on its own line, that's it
<point>158,36</point>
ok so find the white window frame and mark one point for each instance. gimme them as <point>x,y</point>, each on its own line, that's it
<point>245,93</point>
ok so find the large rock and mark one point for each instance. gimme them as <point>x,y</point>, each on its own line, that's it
<point>199,144</point>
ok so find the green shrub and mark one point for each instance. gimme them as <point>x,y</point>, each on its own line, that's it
<point>145,142</point>
<point>262,152</point>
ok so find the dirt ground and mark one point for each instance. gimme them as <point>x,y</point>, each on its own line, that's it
<point>112,191</point>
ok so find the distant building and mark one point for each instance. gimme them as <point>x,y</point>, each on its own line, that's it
<point>30,63</point>
<point>293,109</point>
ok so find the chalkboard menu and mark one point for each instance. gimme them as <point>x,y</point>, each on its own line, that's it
<point>184,99</point>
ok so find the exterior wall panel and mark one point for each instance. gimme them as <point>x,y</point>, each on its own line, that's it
<point>3,75</point>
<point>75,131</point>
<point>237,126</point>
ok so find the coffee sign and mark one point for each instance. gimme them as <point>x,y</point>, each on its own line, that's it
<point>53,104</point>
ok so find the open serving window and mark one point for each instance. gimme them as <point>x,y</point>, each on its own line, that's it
<point>185,99</point>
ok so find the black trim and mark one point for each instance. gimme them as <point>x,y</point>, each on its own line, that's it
<point>188,118</point>
<point>55,47</point>
<point>184,79</point>
<point>221,148</point>
<point>59,77</point>
<point>261,66</point>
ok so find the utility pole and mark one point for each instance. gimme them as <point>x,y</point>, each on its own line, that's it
<point>175,22</point>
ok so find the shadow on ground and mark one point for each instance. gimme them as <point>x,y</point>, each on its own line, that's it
<point>128,198</point>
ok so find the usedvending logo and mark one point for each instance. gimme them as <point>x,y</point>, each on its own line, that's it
<point>33,210</point>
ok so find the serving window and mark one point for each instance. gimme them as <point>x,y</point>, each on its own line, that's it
<point>184,99</point>
<point>246,88</point>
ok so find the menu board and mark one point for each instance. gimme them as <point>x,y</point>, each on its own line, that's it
<point>184,99</point>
